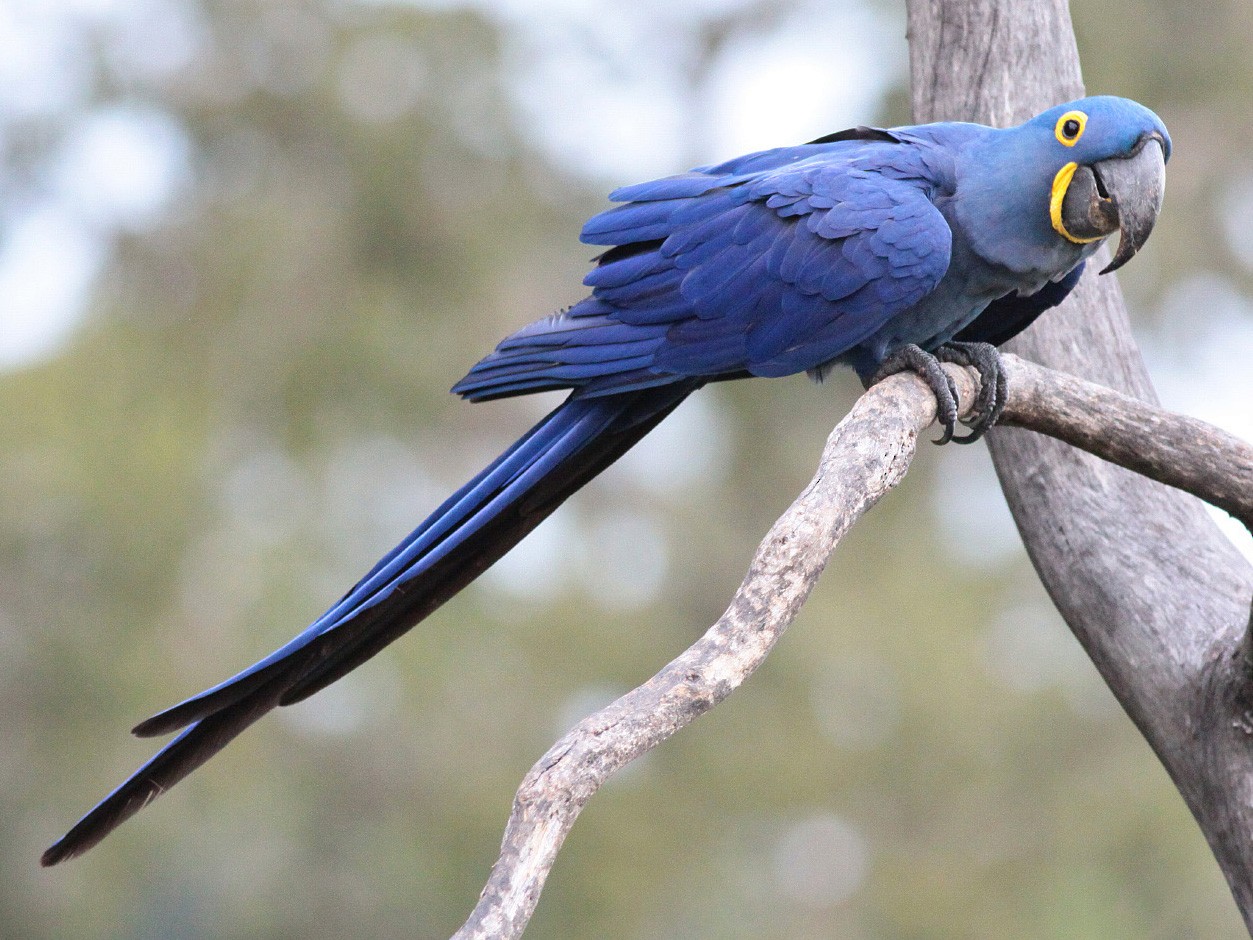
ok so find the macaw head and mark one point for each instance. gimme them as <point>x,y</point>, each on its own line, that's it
<point>1040,197</point>
<point>1111,158</point>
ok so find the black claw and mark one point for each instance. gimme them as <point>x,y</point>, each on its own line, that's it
<point>984,359</point>
<point>914,359</point>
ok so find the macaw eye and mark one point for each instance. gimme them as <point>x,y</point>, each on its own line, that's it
<point>1070,127</point>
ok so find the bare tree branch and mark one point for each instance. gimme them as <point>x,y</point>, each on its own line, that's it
<point>866,455</point>
<point>1170,448</point>
<point>1156,595</point>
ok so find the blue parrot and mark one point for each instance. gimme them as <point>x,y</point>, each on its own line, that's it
<point>881,250</point>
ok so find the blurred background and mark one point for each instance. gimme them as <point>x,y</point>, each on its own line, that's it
<point>245,248</point>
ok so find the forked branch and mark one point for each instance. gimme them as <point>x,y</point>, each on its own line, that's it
<point>866,455</point>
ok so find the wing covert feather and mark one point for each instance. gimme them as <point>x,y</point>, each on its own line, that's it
<point>772,271</point>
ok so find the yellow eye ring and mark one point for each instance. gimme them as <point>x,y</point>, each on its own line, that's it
<point>1070,127</point>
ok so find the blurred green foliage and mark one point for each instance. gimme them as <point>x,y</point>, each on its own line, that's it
<point>256,409</point>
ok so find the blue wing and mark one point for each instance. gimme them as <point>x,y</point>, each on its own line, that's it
<point>773,264</point>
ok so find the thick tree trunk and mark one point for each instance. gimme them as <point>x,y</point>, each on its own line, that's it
<point>1156,595</point>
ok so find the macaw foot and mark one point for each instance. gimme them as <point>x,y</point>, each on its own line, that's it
<point>917,360</point>
<point>984,359</point>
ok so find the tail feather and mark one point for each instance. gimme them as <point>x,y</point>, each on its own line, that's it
<point>387,572</point>
<point>170,765</point>
<point>489,542</point>
<point>463,537</point>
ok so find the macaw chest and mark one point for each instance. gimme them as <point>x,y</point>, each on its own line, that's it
<point>969,285</point>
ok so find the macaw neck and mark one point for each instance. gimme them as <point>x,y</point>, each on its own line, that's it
<point>1001,206</point>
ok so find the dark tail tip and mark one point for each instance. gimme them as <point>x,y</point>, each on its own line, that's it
<point>170,765</point>
<point>157,725</point>
<point>56,854</point>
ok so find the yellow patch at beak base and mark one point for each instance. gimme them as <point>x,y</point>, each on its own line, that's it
<point>1061,182</point>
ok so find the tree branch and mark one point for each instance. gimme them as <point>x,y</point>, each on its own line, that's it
<point>1170,448</point>
<point>865,457</point>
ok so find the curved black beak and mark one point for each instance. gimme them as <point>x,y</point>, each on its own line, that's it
<point>1123,194</point>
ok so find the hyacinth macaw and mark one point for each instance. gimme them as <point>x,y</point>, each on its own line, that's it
<point>882,250</point>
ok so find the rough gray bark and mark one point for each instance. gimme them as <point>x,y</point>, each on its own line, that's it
<point>1156,595</point>
<point>865,457</point>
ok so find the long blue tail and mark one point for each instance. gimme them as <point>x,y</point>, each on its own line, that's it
<point>463,537</point>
